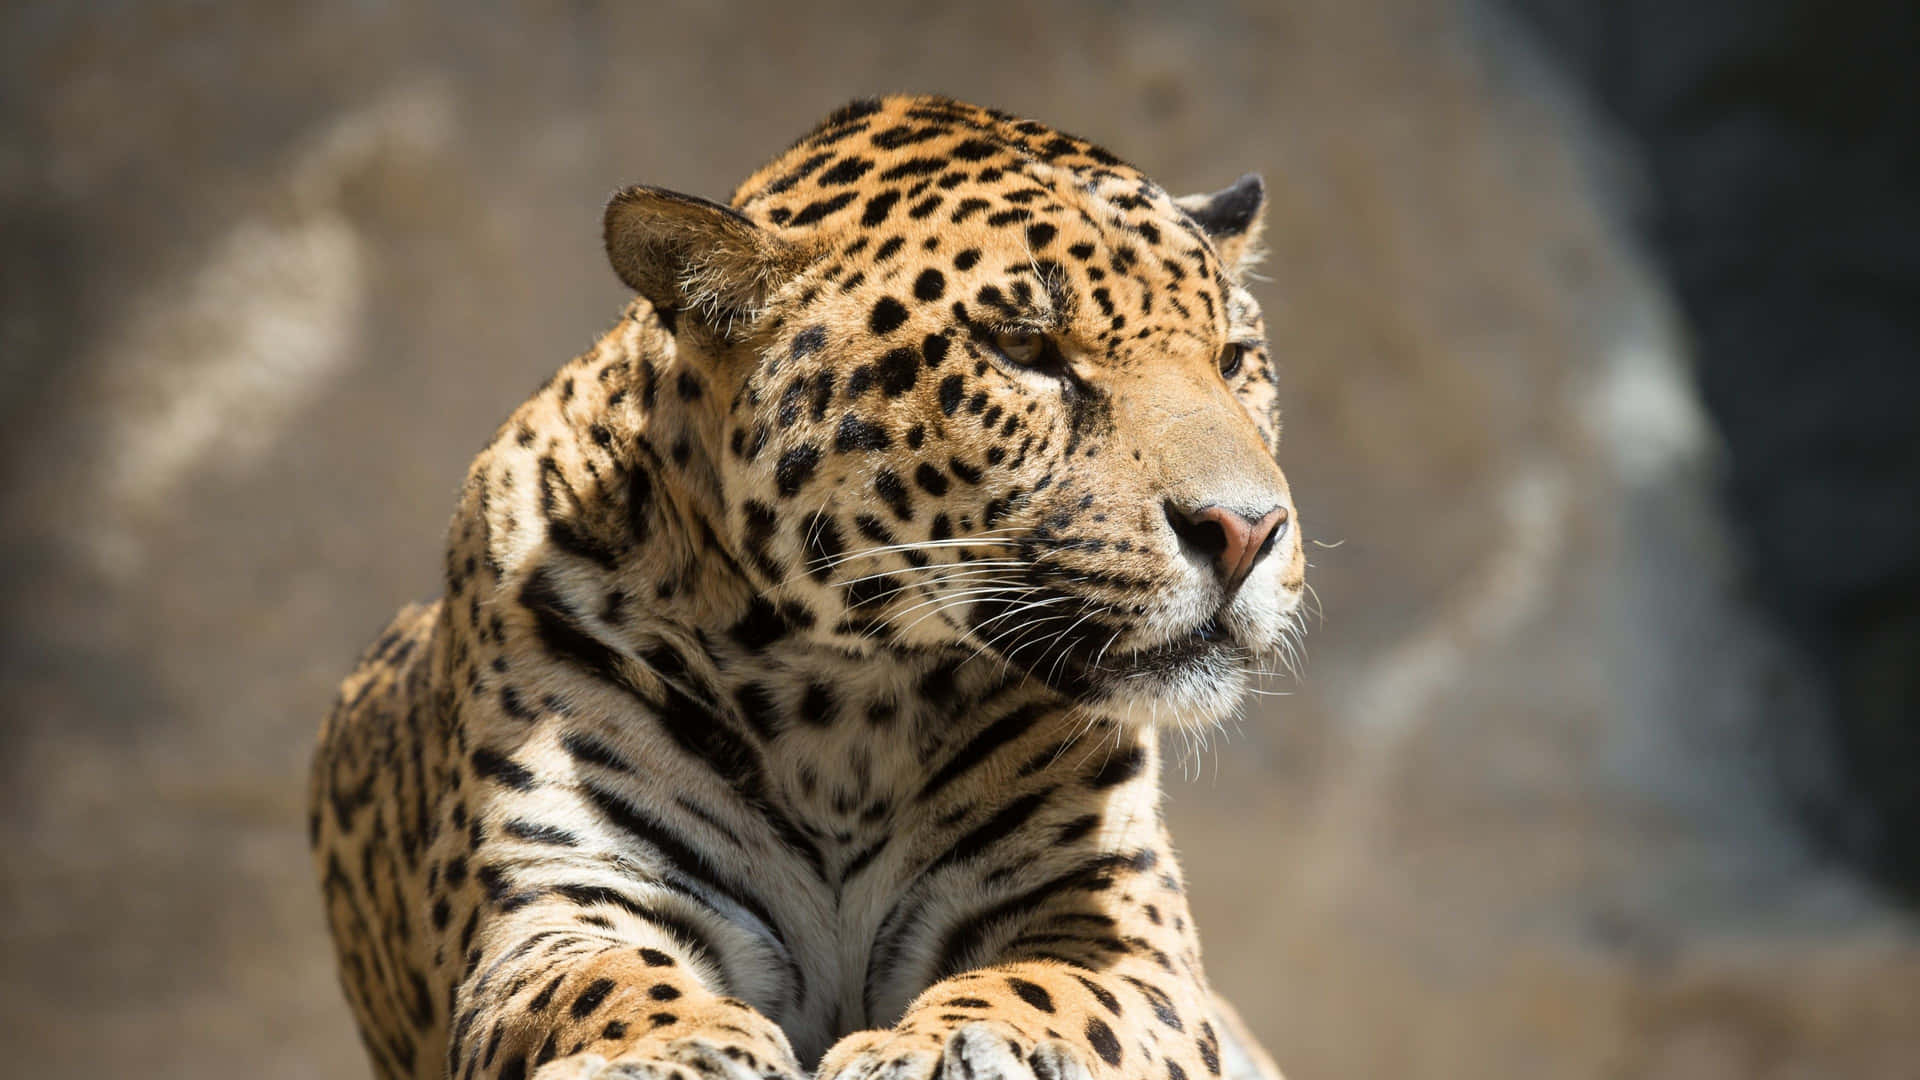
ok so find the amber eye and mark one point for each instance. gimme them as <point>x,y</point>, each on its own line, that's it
<point>1231,358</point>
<point>1023,347</point>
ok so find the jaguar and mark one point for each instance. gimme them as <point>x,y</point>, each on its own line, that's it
<point>793,704</point>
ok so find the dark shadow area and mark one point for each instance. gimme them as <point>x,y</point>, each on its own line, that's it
<point>1779,148</point>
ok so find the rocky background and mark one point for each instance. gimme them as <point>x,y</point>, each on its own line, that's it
<point>269,276</point>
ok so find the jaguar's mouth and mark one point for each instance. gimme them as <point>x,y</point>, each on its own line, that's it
<point>1205,645</point>
<point>1083,661</point>
<point>1195,676</point>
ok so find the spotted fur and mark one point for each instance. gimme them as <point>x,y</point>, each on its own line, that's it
<point>791,704</point>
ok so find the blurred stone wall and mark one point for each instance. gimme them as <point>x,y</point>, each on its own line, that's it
<point>269,276</point>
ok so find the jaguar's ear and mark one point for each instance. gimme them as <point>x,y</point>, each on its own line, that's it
<point>1233,218</point>
<point>685,253</point>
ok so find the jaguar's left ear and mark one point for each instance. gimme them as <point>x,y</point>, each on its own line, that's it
<point>1233,219</point>
<point>683,252</point>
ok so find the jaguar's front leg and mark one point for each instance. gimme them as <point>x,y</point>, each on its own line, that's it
<point>559,998</point>
<point>1095,976</point>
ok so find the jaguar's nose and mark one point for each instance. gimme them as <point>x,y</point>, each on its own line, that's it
<point>1232,540</point>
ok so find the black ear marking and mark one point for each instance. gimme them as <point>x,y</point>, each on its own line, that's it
<point>1230,210</point>
<point>1231,218</point>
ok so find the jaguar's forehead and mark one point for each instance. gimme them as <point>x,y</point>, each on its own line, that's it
<point>898,164</point>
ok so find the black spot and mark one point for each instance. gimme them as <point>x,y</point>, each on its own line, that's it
<point>899,370</point>
<point>808,341</point>
<point>966,209</point>
<point>510,702</point>
<point>664,992</point>
<point>1101,1037</point>
<point>760,627</point>
<point>965,260</point>
<point>919,166</point>
<point>935,348</point>
<point>1040,234</point>
<point>591,998</point>
<point>846,170</point>
<point>848,113</point>
<point>814,211</point>
<point>951,389</point>
<point>689,386</point>
<point>1209,1046</point>
<point>1031,993</point>
<point>504,770</point>
<point>974,150</point>
<point>859,381</point>
<point>536,833</point>
<point>930,285</point>
<point>615,1029</point>
<point>930,479</point>
<point>1160,1002</point>
<point>655,958</point>
<point>754,703</point>
<point>545,997</point>
<point>901,135</point>
<point>879,207</point>
<point>857,434</point>
<point>514,1070</point>
<point>799,173</point>
<point>591,751</point>
<point>822,394</point>
<point>893,492</point>
<point>796,468</point>
<point>1077,829</point>
<point>964,471</point>
<point>1100,993</point>
<point>817,707</point>
<point>823,542</point>
<point>887,316</point>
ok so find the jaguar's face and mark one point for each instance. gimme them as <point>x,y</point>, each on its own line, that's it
<point>1022,408</point>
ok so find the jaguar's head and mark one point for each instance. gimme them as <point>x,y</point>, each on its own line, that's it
<point>983,386</point>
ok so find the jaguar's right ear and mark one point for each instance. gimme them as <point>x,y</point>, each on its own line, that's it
<point>685,253</point>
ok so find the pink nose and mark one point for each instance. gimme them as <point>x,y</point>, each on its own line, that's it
<point>1234,542</point>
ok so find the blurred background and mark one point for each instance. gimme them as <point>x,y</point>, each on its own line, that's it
<point>1598,327</point>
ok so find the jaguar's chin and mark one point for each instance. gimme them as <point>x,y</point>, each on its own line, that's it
<point>1195,678</point>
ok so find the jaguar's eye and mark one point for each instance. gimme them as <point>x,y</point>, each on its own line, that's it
<point>1023,347</point>
<point>1231,358</point>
